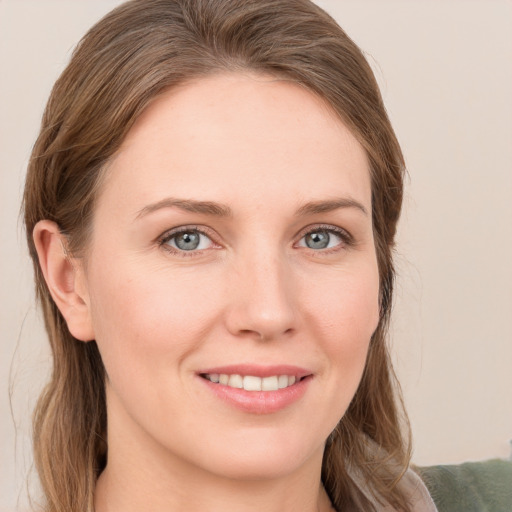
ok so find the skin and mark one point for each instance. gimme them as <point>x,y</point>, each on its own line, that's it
<point>253,293</point>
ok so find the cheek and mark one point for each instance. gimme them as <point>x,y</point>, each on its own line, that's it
<point>345,315</point>
<point>346,307</point>
<point>340,315</point>
<point>151,319</point>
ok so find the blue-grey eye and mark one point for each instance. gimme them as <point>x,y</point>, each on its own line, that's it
<point>320,239</point>
<point>189,241</point>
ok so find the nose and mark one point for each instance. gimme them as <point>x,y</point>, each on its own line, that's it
<point>262,301</point>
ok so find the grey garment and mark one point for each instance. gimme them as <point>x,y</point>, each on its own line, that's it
<point>421,501</point>
<point>411,484</point>
<point>470,486</point>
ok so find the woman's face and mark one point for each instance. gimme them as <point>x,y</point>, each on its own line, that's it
<point>232,241</point>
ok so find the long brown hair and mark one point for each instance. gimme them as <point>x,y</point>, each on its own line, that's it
<point>138,51</point>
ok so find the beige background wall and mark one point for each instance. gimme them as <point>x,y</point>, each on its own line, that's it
<point>445,68</point>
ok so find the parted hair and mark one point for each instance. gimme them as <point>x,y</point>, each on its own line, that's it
<point>130,57</point>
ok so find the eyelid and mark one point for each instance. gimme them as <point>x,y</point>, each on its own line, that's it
<point>170,233</point>
<point>346,237</point>
<point>162,240</point>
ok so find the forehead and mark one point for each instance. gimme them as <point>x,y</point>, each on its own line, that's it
<point>229,136</point>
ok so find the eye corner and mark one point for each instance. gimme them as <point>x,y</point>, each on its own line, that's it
<point>327,233</point>
<point>199,239</point>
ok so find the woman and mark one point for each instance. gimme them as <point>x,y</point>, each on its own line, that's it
<point>211,207</point>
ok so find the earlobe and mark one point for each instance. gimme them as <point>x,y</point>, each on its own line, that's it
<point>65,279</point>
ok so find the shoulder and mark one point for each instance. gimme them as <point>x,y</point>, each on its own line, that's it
<point>471,486</point>
<point>419,497</point>
<point>411,487</point>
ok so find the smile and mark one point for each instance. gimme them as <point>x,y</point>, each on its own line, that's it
<point>251,382</point>
<point>257,389</point>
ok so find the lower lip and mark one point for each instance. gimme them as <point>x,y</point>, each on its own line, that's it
<point>259,402</point>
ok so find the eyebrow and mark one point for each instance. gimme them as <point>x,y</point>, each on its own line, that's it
<point>330,205</point>
<point>188,205</point>
<point>221,210</point>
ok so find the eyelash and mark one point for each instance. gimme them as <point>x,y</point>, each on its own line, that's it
<point>346,238</point>
<point>163,241</point>
<point>169,235</point>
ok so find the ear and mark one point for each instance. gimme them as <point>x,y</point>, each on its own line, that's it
<point>65,279</point>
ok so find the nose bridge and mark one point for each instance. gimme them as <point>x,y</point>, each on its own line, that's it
<point>262,303</point>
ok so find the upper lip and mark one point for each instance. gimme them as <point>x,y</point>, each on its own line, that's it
<point>258,370</point>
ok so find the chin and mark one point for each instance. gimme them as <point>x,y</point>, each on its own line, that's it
<point>268,457</point>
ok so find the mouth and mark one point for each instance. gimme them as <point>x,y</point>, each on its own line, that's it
<point>257,389</point>
<point>252,382</point>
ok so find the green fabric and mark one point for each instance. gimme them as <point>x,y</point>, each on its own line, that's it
<point>470,487</point>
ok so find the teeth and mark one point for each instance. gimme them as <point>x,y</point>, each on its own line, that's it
<point>269,384</point>
<point>282,381</point>
<point>252,383</point>
<point>235,381</point>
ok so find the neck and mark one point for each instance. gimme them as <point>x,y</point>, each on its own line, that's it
<point>142,476</point>
<point>115,494</point>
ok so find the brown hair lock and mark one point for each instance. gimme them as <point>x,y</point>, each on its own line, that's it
<point>135,53</point>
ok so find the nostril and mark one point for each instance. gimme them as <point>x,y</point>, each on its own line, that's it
<point>265,335</point>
